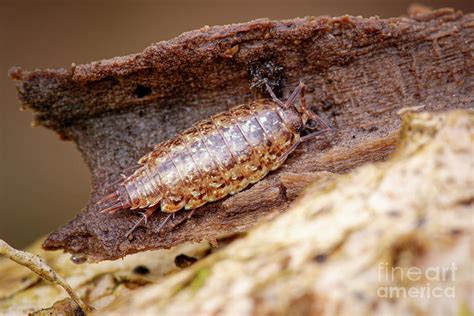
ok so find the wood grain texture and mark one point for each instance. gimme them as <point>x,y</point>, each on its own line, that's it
<point>359,73</point>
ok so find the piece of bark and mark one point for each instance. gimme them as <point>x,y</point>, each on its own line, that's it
<point>295,183</point>
<point>359,72</point>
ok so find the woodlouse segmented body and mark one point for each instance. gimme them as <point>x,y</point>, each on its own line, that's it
<point>218,156</point>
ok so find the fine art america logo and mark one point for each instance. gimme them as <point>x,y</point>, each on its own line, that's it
<point>414,282</point>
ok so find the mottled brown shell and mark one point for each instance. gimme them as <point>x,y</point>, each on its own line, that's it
<point>218,156</point>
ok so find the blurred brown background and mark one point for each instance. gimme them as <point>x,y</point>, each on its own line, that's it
<point>43,181</point>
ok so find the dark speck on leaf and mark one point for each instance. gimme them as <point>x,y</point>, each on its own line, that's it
<point>79,312</point>
<point>421,222</point>
<point>321,258</point>
<point>359,295</point>
<point>394,213</point>
<point>78,259</point>
<point>455,231</point>
<point>183,261</point>
<point>141,269</point>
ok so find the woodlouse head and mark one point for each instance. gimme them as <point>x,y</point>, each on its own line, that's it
<point>297,117</point>
<point>309,120</point>
<point>293,119</point>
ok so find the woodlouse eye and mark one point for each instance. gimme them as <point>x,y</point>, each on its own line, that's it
<point>311,125</point>
<point>142,91</point>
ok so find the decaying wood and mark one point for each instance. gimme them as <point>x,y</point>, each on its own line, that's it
<point>333,250</point>
<point>359,72</point>
<point>294,183</point>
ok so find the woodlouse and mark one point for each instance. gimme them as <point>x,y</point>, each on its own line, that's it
<point>218,156</point>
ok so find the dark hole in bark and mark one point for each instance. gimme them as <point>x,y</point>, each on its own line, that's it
<point>142,91</point>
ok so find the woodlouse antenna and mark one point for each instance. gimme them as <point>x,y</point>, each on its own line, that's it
<point>269,90</point>
<point>299,91</point>
<point>259,83</point>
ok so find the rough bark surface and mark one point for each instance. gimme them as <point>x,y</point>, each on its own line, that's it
<point>332,252</point>
<point>359,73</point>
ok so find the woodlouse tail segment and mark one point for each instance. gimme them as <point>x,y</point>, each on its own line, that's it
<point>118,200</point>
<point>110,203</point>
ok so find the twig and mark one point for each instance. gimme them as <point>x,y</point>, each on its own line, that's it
<point>38,265</point>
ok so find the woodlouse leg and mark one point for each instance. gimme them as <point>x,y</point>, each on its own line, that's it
<point>191,213</point>
<point>164,222</point>
<point>313,135</point>
<point>145,216</point>
<point>288,152</point>
<point>311,114</point>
